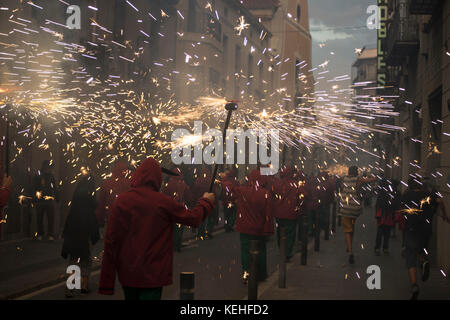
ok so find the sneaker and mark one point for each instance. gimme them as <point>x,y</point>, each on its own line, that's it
<point>85,291</point>
<point>414,292</point>
<point>69,293</point>
<point>50,238</point>
<point>377,252</point>
<point>425,270</point>
<point>386,252</point>
<point>351,259</point>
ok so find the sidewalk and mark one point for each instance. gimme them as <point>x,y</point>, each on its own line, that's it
<point>328,275</point>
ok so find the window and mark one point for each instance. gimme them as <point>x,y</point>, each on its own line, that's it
<point>237,60</point>
<point>192,26</point>
<point>119,19</point>
<point>299,12</point>
<point>225,52</point>
<point>214,28</point>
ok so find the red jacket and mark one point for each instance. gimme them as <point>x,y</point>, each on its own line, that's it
<point>201,184</point>
<point>312,201</point>
<point>109,191</point>
<point>253,207</point>
<point>327,188</point>
<point>286,196</point>
<point>228,183</point>
<point>139,235</point>
<point>177,189</point>
<point>4,195</point>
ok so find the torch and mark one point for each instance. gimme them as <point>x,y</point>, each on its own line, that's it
<point>230,107</point>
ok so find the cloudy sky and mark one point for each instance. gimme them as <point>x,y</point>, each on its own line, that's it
<point>341,26</point>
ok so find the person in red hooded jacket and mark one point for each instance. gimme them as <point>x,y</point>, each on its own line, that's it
<point>327,188</point>
<point>254,220</point>
<point>110,189</point>
<point>288,199</point>
<point>139,235</point>
<point>312,202</point>
<point>5,191</point>
<point>201,185</point>
<point>229,205</point>
<point>179,191</point>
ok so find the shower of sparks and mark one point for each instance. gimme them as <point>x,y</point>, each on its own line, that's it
<point>242,25</point>
<point>59,101</point>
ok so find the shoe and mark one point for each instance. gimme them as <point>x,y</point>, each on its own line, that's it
<point>69,293</point>
<point>425,270</point>
<point>85,291</point>
<point>414,292</point>
<point>377,252</point>
<point>351,259</point>
<point>245,277</point>
<point>386,252</point>
<point>40,238</point>
<point>50,238</point>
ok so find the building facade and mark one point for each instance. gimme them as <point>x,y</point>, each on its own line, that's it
<point>418,64</point>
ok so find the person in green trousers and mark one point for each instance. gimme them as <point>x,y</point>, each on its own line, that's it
<point>254,219</point>
<point>176,188</point>
<point>229,205</point>
<point>288,195</point>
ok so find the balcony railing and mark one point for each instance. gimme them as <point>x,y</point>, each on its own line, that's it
<point>402,39</point>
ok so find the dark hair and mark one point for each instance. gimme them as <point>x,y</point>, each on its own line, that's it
<point>353,171</point>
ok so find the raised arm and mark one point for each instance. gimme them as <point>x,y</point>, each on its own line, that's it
<point>194,217</point>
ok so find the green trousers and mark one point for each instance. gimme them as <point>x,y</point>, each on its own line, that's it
<point>262,254</point>
<point>290,227</point>
<point>177,236</point>
<point>207,226</point>
<point>230,218</point>
<point>142,293</point>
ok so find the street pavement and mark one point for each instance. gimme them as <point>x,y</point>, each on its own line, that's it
<point>216,264</point>
<point>328,275</point>
<point>217,267</point>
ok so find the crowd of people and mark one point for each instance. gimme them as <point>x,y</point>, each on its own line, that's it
<point>144,214</point>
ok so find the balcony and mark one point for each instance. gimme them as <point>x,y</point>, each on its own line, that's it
<point>423,6</point>
<point>402,40</point>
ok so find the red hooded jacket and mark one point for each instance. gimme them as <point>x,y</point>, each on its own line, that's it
<point>177,189</point>
<point>4,195</point>
<point>109,191</point>
<point>228,183</point>
<point>312,201</point>
<point>253,207</point>
<point>139,236</point>
<point>287,196</point>
<point>327,188</point>
<point>201,184</point>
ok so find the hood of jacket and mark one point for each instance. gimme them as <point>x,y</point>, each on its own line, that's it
<point>119,170</point>
<point>147,174</point>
